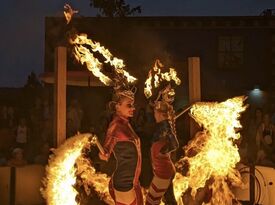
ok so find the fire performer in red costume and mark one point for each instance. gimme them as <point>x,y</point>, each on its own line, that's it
<point>122,141</point>
<point>164,142</point>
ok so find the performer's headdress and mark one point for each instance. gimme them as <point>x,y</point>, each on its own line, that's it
<point>84,50</point>
<point>122,88</point>
<point>117,76</point>
<point>159,84</point>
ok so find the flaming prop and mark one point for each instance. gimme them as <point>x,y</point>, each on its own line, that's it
<point>211,156</point>
<point>69,12</point>
<point>84,49</point>
<point>156,75</point>
<point>64,166</point>
<point>84,55</point>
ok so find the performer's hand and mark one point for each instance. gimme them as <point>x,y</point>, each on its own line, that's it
<point>102,156</point>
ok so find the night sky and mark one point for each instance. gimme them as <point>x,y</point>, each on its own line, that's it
<point>22,26</point>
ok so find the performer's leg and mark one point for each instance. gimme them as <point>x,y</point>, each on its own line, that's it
<point>125,197</point>
<point>139,195</point>
<point>157,189</point>
<point>134,203</point>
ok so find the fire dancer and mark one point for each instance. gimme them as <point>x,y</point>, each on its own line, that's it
<point>123,142</point>
<point>164,138</point>
<point>164,143</point>
<point>120,140</point>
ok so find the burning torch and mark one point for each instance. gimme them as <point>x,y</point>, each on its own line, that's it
<point>95,141</point>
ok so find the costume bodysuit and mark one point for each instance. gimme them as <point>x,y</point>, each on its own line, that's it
<point>123,142</point>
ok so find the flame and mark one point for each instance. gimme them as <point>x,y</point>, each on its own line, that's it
<point>85,55</point>
<point>148,86</point>
<point>157,76</point>
<point>61,174</point>
<point>212,155</point>
<point>69,12</point>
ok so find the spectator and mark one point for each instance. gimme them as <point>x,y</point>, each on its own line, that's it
<point>265,130</point>
<point>252,129</point>
<point>265,142</point>
<point>17,159</point>
<point>22,133</point>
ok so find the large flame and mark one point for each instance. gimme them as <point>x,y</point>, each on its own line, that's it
<point>85,55</point>
<point>64,166</point>
<point>156,75</point>
<point>212,154</point>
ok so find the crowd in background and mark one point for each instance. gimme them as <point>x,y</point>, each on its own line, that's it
<point>25,138</point>
<point>28,138</point>
<point>257,144</point>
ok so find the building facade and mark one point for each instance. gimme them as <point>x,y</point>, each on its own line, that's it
<point>237,53</point>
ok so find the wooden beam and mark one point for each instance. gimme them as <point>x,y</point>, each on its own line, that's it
<point>194,87</point>
<point>60,95</point>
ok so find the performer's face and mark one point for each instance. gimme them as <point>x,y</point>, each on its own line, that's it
<point>125,107</point>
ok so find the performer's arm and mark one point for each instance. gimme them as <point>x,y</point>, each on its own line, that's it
<point>172,143</point>
<point>108,145</point>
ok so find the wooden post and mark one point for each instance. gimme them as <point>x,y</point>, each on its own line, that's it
<point>60,95</point>
<point>194,87</point>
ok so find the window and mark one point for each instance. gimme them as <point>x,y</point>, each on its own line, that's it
<point>230,52</point>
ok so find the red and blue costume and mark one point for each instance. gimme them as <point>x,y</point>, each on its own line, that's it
<point>122,141</point>
<point>164,142</point>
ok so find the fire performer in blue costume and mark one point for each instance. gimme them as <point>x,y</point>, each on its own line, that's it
<point>163,144</point>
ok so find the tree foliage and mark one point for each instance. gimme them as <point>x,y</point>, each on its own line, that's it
<point>114,8</point>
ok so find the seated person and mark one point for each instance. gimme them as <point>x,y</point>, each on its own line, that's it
<point>17,159</point>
